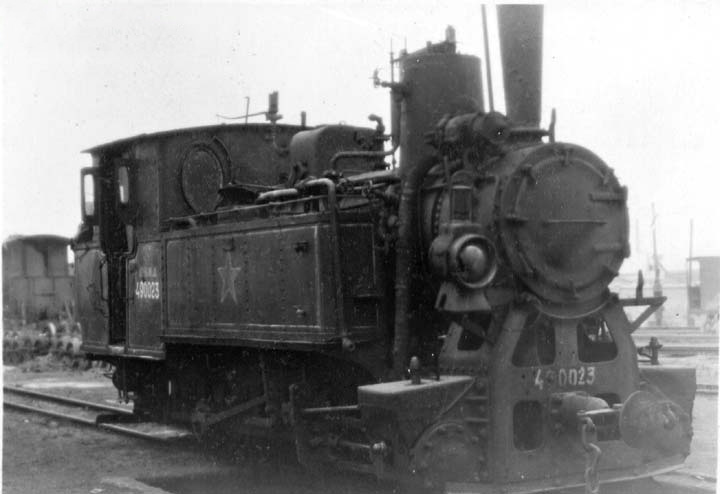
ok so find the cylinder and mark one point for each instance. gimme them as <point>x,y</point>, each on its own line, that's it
<point>436,81</point>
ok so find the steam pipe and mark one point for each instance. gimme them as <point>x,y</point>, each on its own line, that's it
<point>379,176</point>
<point>276,194</point>
<point>337,410</point>
<point>342,155</point>
<point>406,257</point>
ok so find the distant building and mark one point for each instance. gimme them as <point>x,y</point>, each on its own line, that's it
<point>703,290</point>
<point>37,278</point>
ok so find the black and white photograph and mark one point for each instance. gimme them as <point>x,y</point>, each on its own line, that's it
<point>359,246</point>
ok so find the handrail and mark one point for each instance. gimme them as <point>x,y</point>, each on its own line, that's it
<point>337,266</point>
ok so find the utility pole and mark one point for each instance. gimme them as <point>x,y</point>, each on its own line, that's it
<point>690,321</point>
<point>657,285</point>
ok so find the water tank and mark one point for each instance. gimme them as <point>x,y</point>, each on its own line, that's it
<point>436,81</point>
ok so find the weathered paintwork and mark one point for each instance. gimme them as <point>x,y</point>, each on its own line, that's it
<point>315,148</point>
<point>436,81</point>
<point>144,271</point>
<point>267,279</point>
<point>91,297</point>
<point>514,386</point>
<point>271,280</point>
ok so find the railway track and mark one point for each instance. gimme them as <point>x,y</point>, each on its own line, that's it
<point>106,417</point>
<point>680,342</point>
<point>707,389</point>
<point>683,482</point>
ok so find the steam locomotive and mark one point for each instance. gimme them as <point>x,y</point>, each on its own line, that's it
<point>446,321</point>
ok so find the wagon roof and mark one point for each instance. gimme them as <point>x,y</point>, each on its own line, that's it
<point>39,238</point>
<point>704,258</point>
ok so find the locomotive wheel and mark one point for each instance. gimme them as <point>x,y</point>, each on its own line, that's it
<point>447,451</point>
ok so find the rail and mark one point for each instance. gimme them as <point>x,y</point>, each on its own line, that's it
<point>65,400</point>
<point>99,421</point>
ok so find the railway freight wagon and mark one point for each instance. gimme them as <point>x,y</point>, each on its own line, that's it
<point>446,321</point>
<point>37,282</point>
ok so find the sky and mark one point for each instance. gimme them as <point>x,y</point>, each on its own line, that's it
<point>634,81</point>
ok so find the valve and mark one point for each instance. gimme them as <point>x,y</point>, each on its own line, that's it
<point>415,371</point>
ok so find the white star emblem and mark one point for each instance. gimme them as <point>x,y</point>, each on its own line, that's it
<point>228,274</point>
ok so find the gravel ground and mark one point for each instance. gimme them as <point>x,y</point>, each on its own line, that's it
<point>41,455</point>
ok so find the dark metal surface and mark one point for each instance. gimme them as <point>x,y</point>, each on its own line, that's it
<point>265,283</point>
<point>674,382</point>
<point>314,149</point>
<point>436,81</point>
<point>653,424</point>
<point>565,226</point>
<point>520,29</point>
<point>91,294</point>
<point>512,385</point>
<point>144,297</point>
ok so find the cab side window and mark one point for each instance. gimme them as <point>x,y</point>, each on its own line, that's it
<point>88,204</point>
<point>123,184</point>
